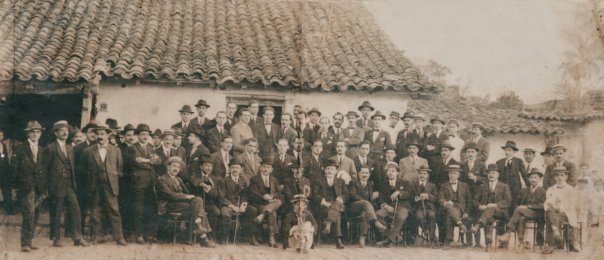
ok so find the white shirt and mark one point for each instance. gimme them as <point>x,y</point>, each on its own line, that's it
<point>102,152</point>
<point>492,185</point>
<point>34,149</point>
<point>330,181</point>
<point>266,181</point>
<point>268,128</point>
<point>166,150</point>
<point>62,145</point>
<point>458,143</point>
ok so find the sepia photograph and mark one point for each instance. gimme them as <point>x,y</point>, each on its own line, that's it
<point>301,129</point>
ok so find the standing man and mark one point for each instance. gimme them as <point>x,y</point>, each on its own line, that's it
<point>304,131</point>
<point>216,133</point>
<point>513,172</point>
<point>241,131</point>
<point>140,159</point>
<point>196,150</point>
<point>185,124</point>
<point>455,140</point>
<point>60,165</point>
<point>393,126</point>
<point>313,163</point>
<point>156,138</point>
<point>363,160</point>
<point>493,200</point>
<point>88,129</point>
<point>365,122</point>
<point>410,164</point>
<point>482,143</point>
<point>352,134</point>
<point>221,158</point>
<point>344,163</point>
<point>250,160</point>
<point>313,119</point>
<point>529,157</point>
<point>327,137</point>
<point>29,174</point>
<point>264,195</point>
<point>440,173</point>
<point>255,119</point>
<point>432,149</point>
<point>282,162</point>
<point>287,131</point>
<point>559,152</point>
<point>379,139</point>
<point>337,128</point>
<point>404,136</point>
<point>266,133</point>
<point>6,176</point>
<point>231,119</point>
<point>103,165</point>
<point>165,151</point>
<point>201,121</point>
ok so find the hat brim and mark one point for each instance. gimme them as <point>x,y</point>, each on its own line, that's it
<point>314,112</point>
<point>183,111</point>
<point>382,116</point>
<point>182,164</point>
<point>534,173</point>
<point>441,121</point>
<point>473,148</point>
<point>202,105</point>
<point>448,146</point>
<point>34,128</point>
<point>513,147</point>
<point>55,128</point>
<point>370,107</point>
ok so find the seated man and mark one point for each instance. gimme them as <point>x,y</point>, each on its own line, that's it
<point>363,197</point>
<point>493,200</point>
<point>294,184</point>
<point>561,206</point>
<point>530,207</point>
<point>233,200</point>
<point>396,202</point>
<point>205,186</point>
<point>425,195</point>
<point>174,197</point>
<point>264,196</point>
<point>329,194</point>
<point>455,198</point>
<point>300,236</point>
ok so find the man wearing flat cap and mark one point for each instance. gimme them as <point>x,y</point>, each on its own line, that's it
<point>559,152</point>
<point>30,179</point>
<point>482,143</point>
<point>530,208</point>
<point>265,196</point>
<point>103,166</point>
<point>59,163</point>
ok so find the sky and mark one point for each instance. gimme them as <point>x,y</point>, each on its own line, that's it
<point>489,45</point>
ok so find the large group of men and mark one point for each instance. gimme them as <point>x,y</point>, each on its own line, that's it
<point>354,170</point>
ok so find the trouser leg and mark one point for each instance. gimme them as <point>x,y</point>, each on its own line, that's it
<point>28,209</point>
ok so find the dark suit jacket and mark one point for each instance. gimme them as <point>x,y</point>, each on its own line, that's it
<point>193,162</point>
<point>479,169</point>
<point>53,163</point>
<point>185,131</point>
<point>231,122</point>
<point>308,134</point>
<point>210,198</point>
<point>377,174</point>
<point>435,141</point>
<point>213,138</point>
<point>440,173</point>
<point>99,172</point>
<point>329,143</point>
<point>289,134</point>
<point>533,200</point>
<point>319,190</point>
<point>257,190</point>
<point>573,174</point>
<point>359,193</point>
<point>249,169</point>
<point>142,174</point>
<point>404,197</point>
<point>380,144</point>
<point>510,175</point>
<point>463,192</point>
<point>27,174</point>
<point>231,192</point>
<point>169,190</point>
<point>160,168</point>
<point>432,192</point>
<point>204,124</point>
<point>267,142</point>
<point>483,145</point>
<point>313,168</point>
<point>293,186</point>
<point>281,168</point>
<point>402,139</point>
<point>369,123</point>
<point>503,199</point>
<point>219,169</point>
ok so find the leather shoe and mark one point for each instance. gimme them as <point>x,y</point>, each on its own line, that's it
<point>57,243</point>
<point>121,242</point>
<point>271,241</point>
<point>362,241</point>
<point>253,240</point>
<point>25,249</point>
<point>32,247</point>
<point>547,250</point>
<point>205,242</point>
<point>80,242</point>
<point>339,244</point>
<point>384,243</point>
<point>140,240</point>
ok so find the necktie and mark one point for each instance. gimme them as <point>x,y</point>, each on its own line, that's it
<point>226,159</point>
<point>34,151</point>
<point>282,158</point>
<point>266,184</point>
<point>492,186</point>
<point>475,140</point>
<point>340,161</point>
<point>363,161</point>
<point>444,161</point>
<point>63,149</point>
<point>184,125</point>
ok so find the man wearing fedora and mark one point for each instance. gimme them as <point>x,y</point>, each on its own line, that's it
<point>512,169</point>
<point>530,208</point>
<point>195,151</point>
<point>165,151</point>
<point>59,163</point>
<point>455,200</point>
<point>201,120</point>
<point>437,136</point>
<point>174,197</point>
<point>206,186</point>
<point>559,154</point>
<point>30,179</point>
<point>365,121</point>
<point>264,195</point>
<point>352,134</point>
<point>482,143</point>
<point>313,119</point>
<point>473,173</point>
<point>493,199</point>
<point>379,139</point>
<point>425,196</point>
<point>410,164</point>
<point>103,165</point>
<point>185,124</point>
<point>529,157</point>
<point>215,134</point>
<point>241,131</point>
<point>440,174</point>
<point>140,159</point>
<point>405,135</point>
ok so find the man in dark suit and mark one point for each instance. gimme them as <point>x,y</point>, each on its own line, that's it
<point>206,186</point>
<point>221,158</point>
<point>379,139</point>
<point>344,163</point>
<point>337,128</point>
<point>59,163</point>
<point>425,196</point>
<point>480,142</point>
<point>165,151</point>
<point>231,119</point>
<point>374,167</point>
<point>287,131</point>
<point>474,173</point>
<point>88,130</point>
<point>363,199</point>
<point>307,133</point>
<point>365,121</point>
<point>352,134</point>
<point>313,163</point>
<point>266,133</point>
<point>174,197</point>
<point>329,196</point>
<point>250,160</point>
<point>431,151</point>
<point>264,195</point>
<point>420,122</point>
<point>5,175</point>
<point>559,152</point>
<point>141,161</point>
<point>185,125</point>
<point>201,121</point>
<point>379,174</point>
<point>103,165</point>
<point>454,198</point>
<point>396,203</point>
<point>530,207</point>
<point>493,200</point>
<point>440,172</point>
<point>195,151</point>
<point>404,136</point>
<point>513,172</point>
<point>30,179</point>
<point>234,200</point>
<point>215,134</point>
<point>328,138</point>
<point>282,162</point>
<point>314,115</point>
<point>255,119</point>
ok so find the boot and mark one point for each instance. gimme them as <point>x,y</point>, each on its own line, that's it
<point>362,241</point>
<point>505,237</point>
<point>339,244</point>
<point>489,248</point>
<point>57,243</point>
<point>327,229</point>
<point>271,241</point>
<point>253,241</point>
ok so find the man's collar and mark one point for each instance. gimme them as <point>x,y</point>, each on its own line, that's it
<point>31,142</point>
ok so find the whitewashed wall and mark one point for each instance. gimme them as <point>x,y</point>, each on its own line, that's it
<point>158,105</point>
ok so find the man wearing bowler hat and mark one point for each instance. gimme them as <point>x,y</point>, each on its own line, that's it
<point>379,139</point>
<point>559,153</point>
<point>530,208</point>
<point>206,186</point>
<point>201,120</point>
<point>59,163</point>
<point>141,159</point>
<point>482,143</point>
<point>455,200</point>
<point>512,170</point>
<point>30,178</point>
<point>365,121</point>
<point>185,124</point>
<point>103,165</point>
<point>404,136</point>
<point>264,195</point>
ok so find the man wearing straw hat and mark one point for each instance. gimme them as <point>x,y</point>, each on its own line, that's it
<point>103,165</point>
<point>59,162</point>
<point>30,180</point>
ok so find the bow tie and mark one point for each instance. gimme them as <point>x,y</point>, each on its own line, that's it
<point>453,183</point>
<point>351,127</point>
<point>376,130</point>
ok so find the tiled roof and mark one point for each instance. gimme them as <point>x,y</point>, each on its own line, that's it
<point>313,44</point>
<point>495,121</point>
<point>561,116</point>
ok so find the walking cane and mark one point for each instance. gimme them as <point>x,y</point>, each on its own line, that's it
<point>394,216</point>
<point>237,220</point>
<point>427,223</point>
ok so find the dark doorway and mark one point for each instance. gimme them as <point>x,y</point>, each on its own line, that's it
<point>278,112</point>
<point>46,109</point>
<point>243,101</point>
